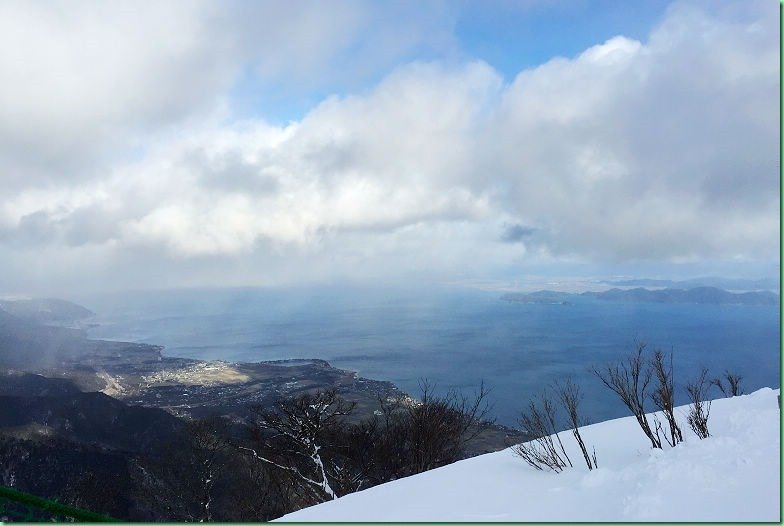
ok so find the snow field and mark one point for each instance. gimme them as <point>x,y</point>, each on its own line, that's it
<point>731,476</point>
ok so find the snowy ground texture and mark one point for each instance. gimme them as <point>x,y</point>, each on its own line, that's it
<point>731,476</point>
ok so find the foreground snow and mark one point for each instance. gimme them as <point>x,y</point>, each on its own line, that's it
<point>731,476</point>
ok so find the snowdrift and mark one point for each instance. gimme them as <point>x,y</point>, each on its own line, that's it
<point>731,476</point>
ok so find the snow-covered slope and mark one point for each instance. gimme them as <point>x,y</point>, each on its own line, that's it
<point>731,476</point>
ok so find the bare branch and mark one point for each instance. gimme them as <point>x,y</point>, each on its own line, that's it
<point>629,379</point>
<point>570,396</point>
<point>699,410</point>
<point>538,422</point>
<point>663,397</point>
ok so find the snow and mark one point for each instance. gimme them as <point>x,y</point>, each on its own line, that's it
<point>731,476</point>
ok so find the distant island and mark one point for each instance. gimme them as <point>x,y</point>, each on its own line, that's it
<point>732,284</point>
<point>702,295</point>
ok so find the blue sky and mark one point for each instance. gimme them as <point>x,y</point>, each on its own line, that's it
<point>513,36</point>
<point>510,36</point>
<point>271,142</point>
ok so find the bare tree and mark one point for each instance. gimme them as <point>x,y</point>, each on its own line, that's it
<point>630,380</point>
<point>663,396</point>
<point>210,445</point>
<point>734,383</point>
<point>255,492</point>
<point>733,387</point>
<point>440,426</point>
<point>295,438</point>
<point>538,422</point>
<point>411,436</point>
<point>699,409</point>
<point>185,476</point>
<point>570,396</point>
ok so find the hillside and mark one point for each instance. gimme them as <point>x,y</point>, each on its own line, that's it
<point>702,295</point>
<point>46,310</point>
<point>47,346</point>
<point>731,476</point>
<point>710,295</point>
<point>734,284</point>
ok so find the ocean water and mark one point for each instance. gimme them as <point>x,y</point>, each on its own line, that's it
<point>453,337</point>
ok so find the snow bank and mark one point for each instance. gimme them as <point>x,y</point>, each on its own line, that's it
<point>731,476</point>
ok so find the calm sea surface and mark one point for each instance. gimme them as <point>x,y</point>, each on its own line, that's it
<point>455,338</point>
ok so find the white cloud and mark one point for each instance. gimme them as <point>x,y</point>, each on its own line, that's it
<point>374,163</point>
<point>651,151</point>
<point>85,76</point>
<point>87,82</point>
<point>664,150</point>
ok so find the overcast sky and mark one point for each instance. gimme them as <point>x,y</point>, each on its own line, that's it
<point>153,144</point>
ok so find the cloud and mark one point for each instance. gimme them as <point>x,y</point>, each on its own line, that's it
<point>663,150</point>
<point>86,83</point>
<point>88,76</point>
<point>516,233</point>
<point>656,150</point>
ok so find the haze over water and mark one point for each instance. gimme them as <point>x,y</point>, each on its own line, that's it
<point>257,143</point>
<point>454,337</point>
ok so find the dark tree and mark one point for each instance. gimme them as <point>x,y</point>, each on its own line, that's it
<point>298,438</point>
<point>538,422</point>
<point>699,409</point>
<point>440,426</point>
<point>732,388</point>
<point>630,380</point>
<point>570,396</point>
<point>255,492</point>
<point>183,476</point>
<point>210,448</point>
<point>663,396</point>
<point>411,436</point>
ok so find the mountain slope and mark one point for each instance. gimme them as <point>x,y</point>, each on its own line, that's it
<point>46,310</point>
<point>32,404</point>
<point>731,476</point>
<point>702,295</point>
<point>29,345</point>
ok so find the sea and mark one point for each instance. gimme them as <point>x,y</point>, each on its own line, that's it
<point>454,338</point>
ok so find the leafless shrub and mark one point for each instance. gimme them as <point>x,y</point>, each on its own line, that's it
<point>699,409</point>
<point>538,422</point>
<point>210,443</point>
<point>570,396</point>
<point>257,492</point>
<point>408,436</point>
<point>412,436</point>
<point>630,380</point>
<point>442,425</point>
<point>295,438</point>
<point>663,396</point>
<point>732,388</point>
<point>199,477</point>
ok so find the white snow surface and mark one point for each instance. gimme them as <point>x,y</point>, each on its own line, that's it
<point>731,476</point>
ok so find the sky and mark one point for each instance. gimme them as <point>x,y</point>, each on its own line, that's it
<point>186,143</point>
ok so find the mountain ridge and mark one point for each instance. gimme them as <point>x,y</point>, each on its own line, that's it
<point>702,295</point>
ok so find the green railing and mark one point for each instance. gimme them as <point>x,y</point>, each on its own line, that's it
<point>17,506</point>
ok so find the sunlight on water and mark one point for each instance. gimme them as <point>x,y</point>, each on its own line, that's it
<point>453,337</point>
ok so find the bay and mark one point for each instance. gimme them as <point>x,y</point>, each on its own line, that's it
<point>453,337</point>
